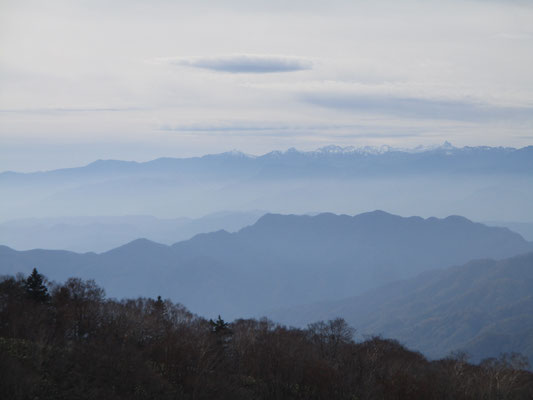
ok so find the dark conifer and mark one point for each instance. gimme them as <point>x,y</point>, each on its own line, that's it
<point>219,326</point>
<point>35,287</point>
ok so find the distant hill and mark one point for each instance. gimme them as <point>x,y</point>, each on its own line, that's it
<point>281,260</point>
<point>102,233</point>
<point>328,161</point>
<point>485,183</point>
<point>523,228</point>
<point>484,307</point>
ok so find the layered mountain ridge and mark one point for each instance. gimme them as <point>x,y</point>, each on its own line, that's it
<point>513,159</point>
<point>281,260</point>
<point>485,183</point>
<point>482,308</point>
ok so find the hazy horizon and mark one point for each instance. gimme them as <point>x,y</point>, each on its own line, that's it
<point>357,166</point>
<point>369,149</point>
<point>133,80</point>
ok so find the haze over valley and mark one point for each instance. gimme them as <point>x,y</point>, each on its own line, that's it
<point>279,260</point>
<point>255,200</point>
<point>482,183</point>
<point>302,262</point>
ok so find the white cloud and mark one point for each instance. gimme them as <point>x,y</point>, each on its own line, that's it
<point>243,63</point>
<point>421,108</point>
<point>445,70</point>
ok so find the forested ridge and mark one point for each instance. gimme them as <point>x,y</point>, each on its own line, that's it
<point>68,341</point>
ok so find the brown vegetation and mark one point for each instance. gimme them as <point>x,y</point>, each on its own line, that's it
<point>73,343</point>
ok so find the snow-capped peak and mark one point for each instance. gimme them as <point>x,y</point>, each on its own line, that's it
<point>237,153</point>
<point>332,149</point>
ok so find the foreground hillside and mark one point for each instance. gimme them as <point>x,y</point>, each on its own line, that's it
<point>281,260</point>
<point>484,307</point>
<point>76,344</point>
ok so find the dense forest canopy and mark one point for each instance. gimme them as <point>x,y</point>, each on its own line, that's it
<point>68,341</point>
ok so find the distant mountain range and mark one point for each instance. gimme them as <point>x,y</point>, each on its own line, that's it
<point>484,307</point>
<point>330,160</point>
<point>485,183</point>
<point>280,261</point>
<point>102,233</point>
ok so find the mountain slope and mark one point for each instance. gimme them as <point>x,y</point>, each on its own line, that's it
<point>99,234</point>
<point>483,307</point>
<point>281,260</point>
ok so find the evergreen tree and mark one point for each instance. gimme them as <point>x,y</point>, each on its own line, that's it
<point>35,287</point>
<point>219,326</point>
<point>159,305</point>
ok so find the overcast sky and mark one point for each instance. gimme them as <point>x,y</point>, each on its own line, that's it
<point>83,80</point>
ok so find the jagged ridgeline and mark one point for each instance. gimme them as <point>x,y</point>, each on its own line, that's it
<point>484,183</point>
<point>280,261</point>
<point>69,341</point>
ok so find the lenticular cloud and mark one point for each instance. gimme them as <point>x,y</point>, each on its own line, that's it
<point>251,64</point>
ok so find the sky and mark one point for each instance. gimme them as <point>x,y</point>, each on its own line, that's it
<point>137,80</point>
